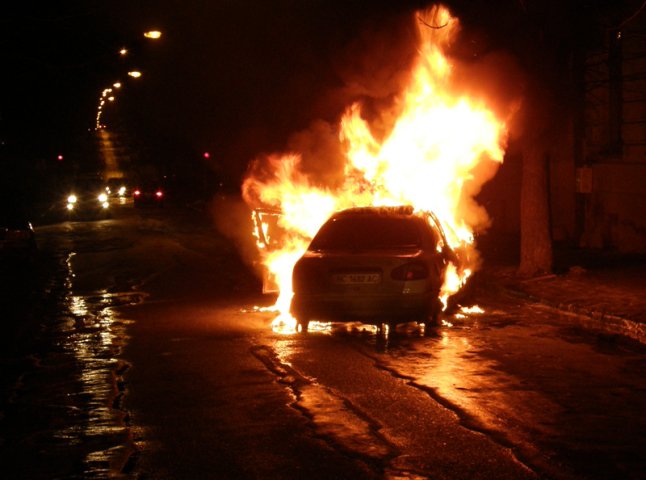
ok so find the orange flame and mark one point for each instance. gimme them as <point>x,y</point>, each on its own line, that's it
<point>430,153</point>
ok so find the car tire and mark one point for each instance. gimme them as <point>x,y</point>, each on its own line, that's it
<point>432,316</point>
<point>302,325</point>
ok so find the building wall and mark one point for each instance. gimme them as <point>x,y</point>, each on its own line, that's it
<point>615,210</point>
<point>615,142</point>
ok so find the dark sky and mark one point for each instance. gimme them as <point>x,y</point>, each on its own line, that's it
<point>236,78</point>
<point>51,60</point>
<point>232,77</point>
<point>225,76</point>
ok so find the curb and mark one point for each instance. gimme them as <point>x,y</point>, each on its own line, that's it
<point>593,319</point>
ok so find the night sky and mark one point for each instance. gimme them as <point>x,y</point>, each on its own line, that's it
<point>224,74</point>
<point>235,78</point>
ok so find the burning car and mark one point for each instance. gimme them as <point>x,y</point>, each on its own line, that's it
<point>433,149</point>
<point>374,264</point>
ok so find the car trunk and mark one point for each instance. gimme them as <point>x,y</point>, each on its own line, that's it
<point>347,272</point>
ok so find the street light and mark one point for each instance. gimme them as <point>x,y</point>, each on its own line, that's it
<point>153,34</point>
<point>107,94</point>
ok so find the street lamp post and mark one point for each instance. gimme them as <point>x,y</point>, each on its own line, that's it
<point>152,35</point>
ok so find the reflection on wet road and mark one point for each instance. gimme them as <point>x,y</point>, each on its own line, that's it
<point>62,415</point>
<point>502,394</point>
<point>93,335</point>
<point>567,401</point>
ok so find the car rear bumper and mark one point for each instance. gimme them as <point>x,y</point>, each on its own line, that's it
<point>364,307</point>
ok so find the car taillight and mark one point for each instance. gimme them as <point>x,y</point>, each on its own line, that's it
<point>159,193</point>
<point>410,271</point>
<point>137,193</point>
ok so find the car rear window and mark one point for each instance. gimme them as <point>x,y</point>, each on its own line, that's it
<point>368,232</point>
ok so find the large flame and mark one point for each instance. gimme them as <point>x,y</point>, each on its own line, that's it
<point>434,144</point>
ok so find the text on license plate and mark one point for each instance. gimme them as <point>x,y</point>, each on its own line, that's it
<point>356,278</point>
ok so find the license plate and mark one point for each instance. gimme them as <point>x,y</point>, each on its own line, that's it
<point>356,278</point>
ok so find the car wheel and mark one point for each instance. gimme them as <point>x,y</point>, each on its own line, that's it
<point>432,316</point>
<point>383,329</point>
<point>302,325</point>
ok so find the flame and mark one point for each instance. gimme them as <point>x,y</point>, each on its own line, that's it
<point>431,151</point>
<point>475,309</point>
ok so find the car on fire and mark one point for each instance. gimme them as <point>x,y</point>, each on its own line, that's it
<point>378,265</point>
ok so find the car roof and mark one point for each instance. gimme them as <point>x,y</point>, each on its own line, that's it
<point>400,210</point>
<point>370,228</point>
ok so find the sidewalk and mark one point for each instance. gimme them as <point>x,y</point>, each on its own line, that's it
<point>604,290</point>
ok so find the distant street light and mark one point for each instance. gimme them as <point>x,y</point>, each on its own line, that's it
<point>107,95</point>
<point>153,34</point>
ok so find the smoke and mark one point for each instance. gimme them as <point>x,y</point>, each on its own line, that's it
<point>232,217</point>
<point>321,156</point>
<point>375,66</point>
<point>495,79</point>
<point>372,69</point>
<point>469,209</point>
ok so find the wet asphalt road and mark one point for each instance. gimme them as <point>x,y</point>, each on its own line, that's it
<point>133,350</point>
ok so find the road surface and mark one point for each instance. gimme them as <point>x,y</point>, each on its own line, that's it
<point>134,349</point>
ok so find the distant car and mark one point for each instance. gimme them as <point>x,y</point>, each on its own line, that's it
<point>87,198</point>
<point>117,190</point>
<point>17,237</point>
<point>374,264</point>
<point>149,193</point>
